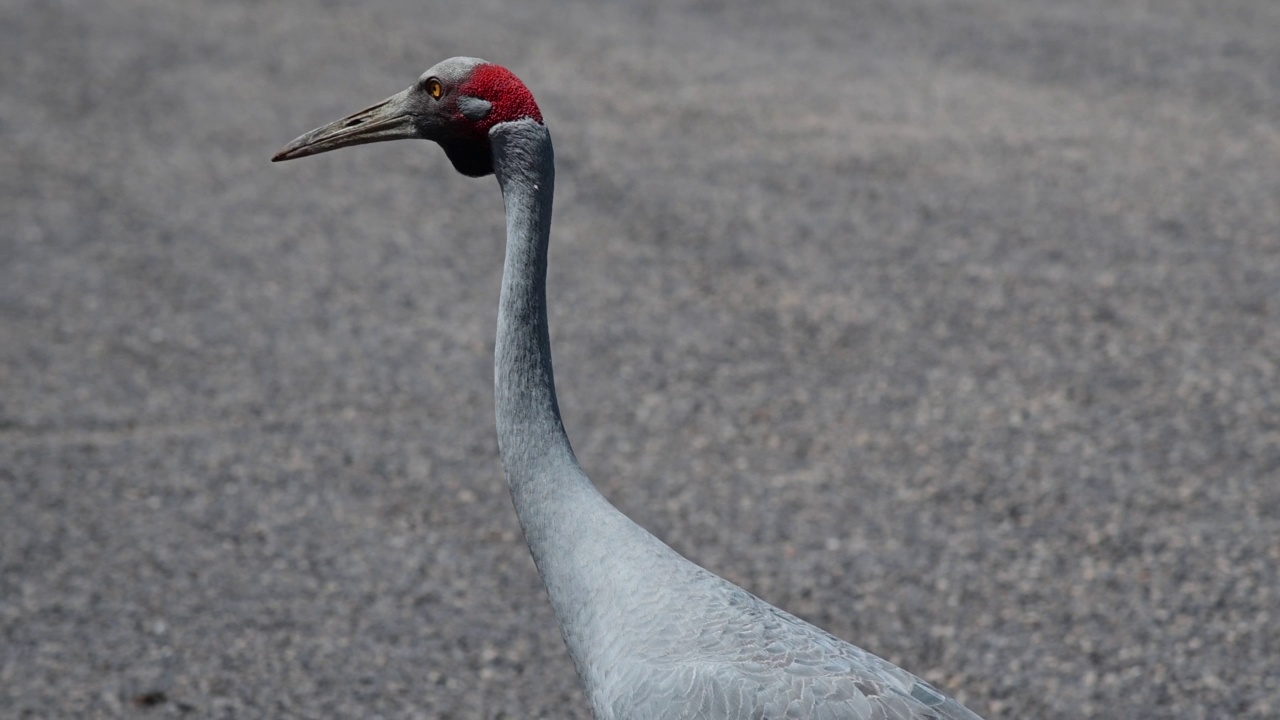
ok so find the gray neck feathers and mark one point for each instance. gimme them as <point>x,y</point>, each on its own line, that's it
<point>542,472</point>
<point>578,540</point>
<point>530,433</point>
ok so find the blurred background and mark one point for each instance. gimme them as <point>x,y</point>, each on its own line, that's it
<point>951,327</point>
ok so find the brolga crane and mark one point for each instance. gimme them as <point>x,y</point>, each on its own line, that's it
<point>651,634</point>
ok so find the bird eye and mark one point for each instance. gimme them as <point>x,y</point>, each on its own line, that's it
<point>434,88</point>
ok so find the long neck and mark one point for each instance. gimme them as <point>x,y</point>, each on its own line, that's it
<point>531,437</point>
<point>578,540</point>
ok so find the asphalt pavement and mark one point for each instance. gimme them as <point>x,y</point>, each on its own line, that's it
<point>951,327</point>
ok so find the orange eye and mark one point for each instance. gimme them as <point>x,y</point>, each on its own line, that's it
<point>434,88</point>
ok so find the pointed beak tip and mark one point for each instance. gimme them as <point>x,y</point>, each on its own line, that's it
<point>292,151</point>
<point>288,152</point>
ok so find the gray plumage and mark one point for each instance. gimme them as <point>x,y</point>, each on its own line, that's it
<point>651,634</point>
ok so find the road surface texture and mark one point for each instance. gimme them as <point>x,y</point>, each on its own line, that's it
<point>952,327</point>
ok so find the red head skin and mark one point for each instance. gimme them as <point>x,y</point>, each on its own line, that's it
<point>500,87</point>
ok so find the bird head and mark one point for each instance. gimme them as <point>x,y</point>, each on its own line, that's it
<point>454,104</point>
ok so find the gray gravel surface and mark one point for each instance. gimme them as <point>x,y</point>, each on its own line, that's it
<point>952,327</point>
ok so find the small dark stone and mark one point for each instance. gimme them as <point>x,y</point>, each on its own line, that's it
<point>150,699</point>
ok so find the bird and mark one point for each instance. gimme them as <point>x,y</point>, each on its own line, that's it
<point>651,633</point>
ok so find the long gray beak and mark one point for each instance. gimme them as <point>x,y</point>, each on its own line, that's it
<point>388,120</point>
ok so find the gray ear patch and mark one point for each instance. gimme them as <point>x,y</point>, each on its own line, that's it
<point>473,108</point>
